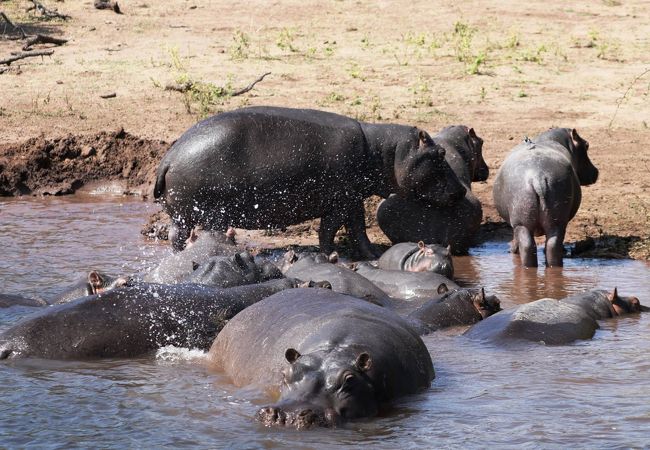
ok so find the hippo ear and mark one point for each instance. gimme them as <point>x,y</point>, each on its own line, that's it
<point>194,235</point>
<point>333,257</point>
<point>292,355</point>
<point>363,362</point>
<point>95,280</point>
<point>424,139</point>
<point>442,288</point>
<point>290,257</point>
<point>231,233</point>
<point>472,133</point>
<point>421,245</point>
<point>483,294</point>
<point>195,265</point>
<point>448,249</point>
<point>613,296</point>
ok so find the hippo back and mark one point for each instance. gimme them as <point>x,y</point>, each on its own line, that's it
<point>251,348</point>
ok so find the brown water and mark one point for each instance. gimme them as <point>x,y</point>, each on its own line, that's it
<point>591,394</point>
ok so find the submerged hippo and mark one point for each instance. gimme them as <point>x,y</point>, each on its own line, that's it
<point>321,267</point>
<point>330,357</point>
<point>403,219</point>
<point>132,321</point>
<point>419,257</point>
<point>554,322</point>
<point>537,191</point>
<point>94,283</point>
<point>199,247</point>
<point>455,307</point>
<point>9,300</point>
<point>405,285</point>
<point>236,270</point>
<point>270,167</point>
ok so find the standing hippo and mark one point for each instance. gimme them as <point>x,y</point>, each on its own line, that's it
<point>270,167</point>
<point>9,300</point>
<point>321,267</point>
<point>200,246</point>
<point>236,270</point>
<point>419,257</point>
<point>132,321</point>
<point>457,307</point>
<point>94,283</point>
<point>403,219</point>
<point>331,357</point>
<point>537,191</point>
<point>405,285</point>
<point>553,322</point>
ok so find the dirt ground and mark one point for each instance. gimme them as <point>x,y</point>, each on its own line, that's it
<point>509,69</point>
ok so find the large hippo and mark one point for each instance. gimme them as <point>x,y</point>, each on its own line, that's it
<point>9,300</point>
<point>236,270</point>
<point>403,219</point>
<point>95,282</point>
<point>200,246</point>
<point>321,267</point>
<point>418,257</point>
<point>330,357</point>
<point>554,322</point>
<point>262,167</point>
<point>537,191</point>
<point>405,285</point>
<point>132,321</point>
<point>455,307</point>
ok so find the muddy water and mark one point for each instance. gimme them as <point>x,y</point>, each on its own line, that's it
<point>591,394</point>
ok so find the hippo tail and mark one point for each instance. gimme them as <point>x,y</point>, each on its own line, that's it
<point>159,187</point>
<point>541,189</point>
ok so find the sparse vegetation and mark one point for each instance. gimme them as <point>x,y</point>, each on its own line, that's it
<point>240,47</point>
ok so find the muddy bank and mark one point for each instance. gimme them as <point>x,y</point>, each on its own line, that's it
<point>105,162</point>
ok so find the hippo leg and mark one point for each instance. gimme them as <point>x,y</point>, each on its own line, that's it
<point>329,225</point>
<point>178,234</point>
<point>355,224</point>
<point>554,248</point>
<point>525,243</point>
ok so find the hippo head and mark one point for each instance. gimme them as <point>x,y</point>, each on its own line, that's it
<point>424,174</point>
<point>485,305</point>
<point>469,145</point>
<point>432,258</point>
<point>323,388</point>
<point>99,282</point>
<point>577,147</point>
<point>291,257</point>
<point>624,305</point>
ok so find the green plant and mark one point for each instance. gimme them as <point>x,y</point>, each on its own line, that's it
<point>533,55</point>
<point>475,65</point>
<point>285,40</point>
<point>240,47</point>
<point>483,93</point>
<point>355,71</point>
<point>462,41</point>
<point>522,94</point>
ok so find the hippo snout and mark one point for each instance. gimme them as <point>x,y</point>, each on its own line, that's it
<point>299,419</point>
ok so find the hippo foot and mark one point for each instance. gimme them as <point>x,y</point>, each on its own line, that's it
<point>300,420</point>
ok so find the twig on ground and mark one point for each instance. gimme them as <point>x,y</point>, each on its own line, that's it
<point>19,56</point>
<point>624,96</point>
<point>250,86</point>
<point>42,39</point>
<point>108,4</point>
<point>10,23</point>
<point>184,87</point>
<point>45,12</point>
<point>111,95</point>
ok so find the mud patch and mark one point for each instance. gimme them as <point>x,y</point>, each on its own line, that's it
<point>612,247</point>
<point>115,161</point>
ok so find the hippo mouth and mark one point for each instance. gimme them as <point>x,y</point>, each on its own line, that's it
<point>300,419</point>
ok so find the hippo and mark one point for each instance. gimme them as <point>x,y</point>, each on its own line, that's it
<point>330,357</point>
<point>553,322</point>
<point>537,191</point>
<point>455,307</point>
<point>236,270</point>
<point>405,285</point>
<point>9,300</point>
<point>95,282</point>
<point>270,167</point>
<point>200,246</point>
<point>132,321</point>
<point>321,267</point>
<point>419,257</point>
<point>403,219</point>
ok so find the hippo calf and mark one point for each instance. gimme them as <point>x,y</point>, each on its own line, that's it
<point>9,300</point>
<point>554,322</point>
<point>537,191</point>
<point>405,285</point>
<point>270,167</point>
<point>331,357</point>
<point>132,321</point>
<point>403,219</point>
<point>321,267</point>
<point>419,257</point>
<point>236,270</point>
<point>95,282</point>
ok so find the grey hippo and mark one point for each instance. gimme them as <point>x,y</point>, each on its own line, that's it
<point>270,167</point>
<point>537,191</point>
<point>328,357</point>
<point>418,257</point>
<point>403,219</point>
